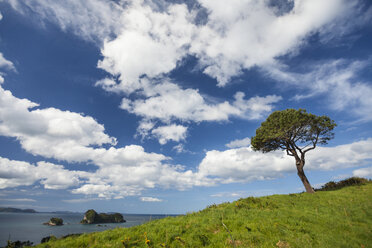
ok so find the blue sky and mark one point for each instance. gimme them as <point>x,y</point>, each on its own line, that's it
<point>148,106</point>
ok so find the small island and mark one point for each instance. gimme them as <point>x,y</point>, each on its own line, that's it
<point>54,222</point>
<point>92,217</point>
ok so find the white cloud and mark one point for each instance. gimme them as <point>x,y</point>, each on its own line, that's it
<point>239,143</point>
<point>228,194</point>
<point>50,132</point>
<point>146,36</point>
<point>140,44</point>
<point>93,20</point>
<point>54,176</point>
<point>150,199</point>
<point>69,136</point>
<point>342,156</point>
<point>338,80</point>
<point>17,173</point>
<point>250,33</point>
<point>232,38</point>
<point>1,16</point>
<point>167,101</point>
<point>81,200</point>
<point>172,132</point>
<point>244,165</point>
<point>180,148</point>
<point>363,172</point>
<point>20,200</point>
<point>6,64</point>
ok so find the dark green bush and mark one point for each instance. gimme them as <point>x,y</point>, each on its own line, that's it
<point>56,221</point>
<point>92,217</point>
<point>343,183</point>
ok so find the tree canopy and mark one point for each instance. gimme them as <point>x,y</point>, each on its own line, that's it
<point>296,132</point>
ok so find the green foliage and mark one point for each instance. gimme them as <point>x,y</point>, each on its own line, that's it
<point>18,244</point>
<point>56,221</point>
<point>288,127</point>
<point>343,183</point>
<point>48,238</point>
<point>89,217</point>
<point>92,216</point>
<point>339,218</point>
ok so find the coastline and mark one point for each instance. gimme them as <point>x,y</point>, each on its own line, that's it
<point>26,226</point>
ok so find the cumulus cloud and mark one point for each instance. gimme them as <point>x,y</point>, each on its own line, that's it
<point>244,165</point>
<point>172,132</point>
<point>167,101</point>
<point>229,40</point>
<point>6,64</point>
<point>50,132</point>
<point>363,172</point>
<point>146,35</point>
<point>239,143</point>
<point>73,137</point>
<point>93,20</point>
<point>141,44</point>
<point>18,173</point>
<point>233,38</point>
<point>150,199</point>
<point>241,35</point>
<point>180,148</point>
<point>338,80</point>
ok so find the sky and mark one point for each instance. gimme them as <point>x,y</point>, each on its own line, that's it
<point>148,106</point>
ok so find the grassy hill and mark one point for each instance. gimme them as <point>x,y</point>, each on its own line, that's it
<point>340,218</point>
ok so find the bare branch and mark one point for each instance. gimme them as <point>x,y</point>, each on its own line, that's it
<point>283,147</point>
<point>289,153</point>
<point>314,144</point>
<point>298,148</point>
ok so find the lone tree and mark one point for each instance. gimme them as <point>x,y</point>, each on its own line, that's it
<point>296,132</point>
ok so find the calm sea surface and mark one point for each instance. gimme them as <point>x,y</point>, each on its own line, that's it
<point>28,226</point>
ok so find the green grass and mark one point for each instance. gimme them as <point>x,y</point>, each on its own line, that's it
<point>340,218</point>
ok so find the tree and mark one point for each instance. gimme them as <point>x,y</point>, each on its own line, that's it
<point>296,132</point>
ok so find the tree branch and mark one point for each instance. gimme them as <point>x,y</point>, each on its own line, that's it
<point>314,144</point>
<point>290,154</point>
<point>298,148</point>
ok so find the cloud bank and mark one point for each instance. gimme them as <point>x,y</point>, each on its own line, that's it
<point>142,42</point>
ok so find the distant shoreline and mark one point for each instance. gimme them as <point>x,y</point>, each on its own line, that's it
<point>17,210</point>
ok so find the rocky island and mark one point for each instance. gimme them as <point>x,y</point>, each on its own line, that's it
<point>92,217</point>
<point>54,222</point>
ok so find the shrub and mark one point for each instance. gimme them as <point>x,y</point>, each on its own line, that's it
<point>343,183</point>
<point>56,221</point>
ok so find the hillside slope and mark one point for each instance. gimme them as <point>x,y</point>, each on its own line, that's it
<point>341,218</point>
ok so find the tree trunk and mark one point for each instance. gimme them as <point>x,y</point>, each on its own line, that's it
<point>300,172</point>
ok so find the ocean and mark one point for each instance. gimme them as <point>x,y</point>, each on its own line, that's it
<point>29,226</point>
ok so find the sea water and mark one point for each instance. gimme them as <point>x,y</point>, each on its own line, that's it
<point>29,226</point>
